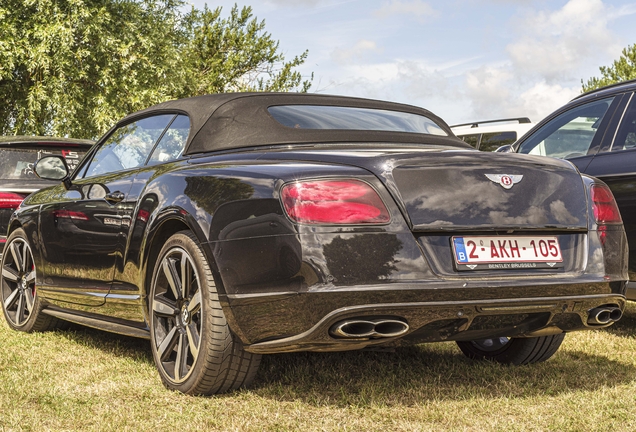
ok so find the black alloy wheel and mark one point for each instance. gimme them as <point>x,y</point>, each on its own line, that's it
<point>192,346</point>
<point>20,303</point>
<point>515,351</point>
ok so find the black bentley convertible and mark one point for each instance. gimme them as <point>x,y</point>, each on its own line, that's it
<point>228,226</point>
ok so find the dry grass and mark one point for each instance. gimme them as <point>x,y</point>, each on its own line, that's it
<point>89,380</point>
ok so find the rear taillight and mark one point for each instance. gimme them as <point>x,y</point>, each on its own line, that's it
<point>604,205</point>
<point>68,214</point>
<point>10,200</point>
<point>334,202</point>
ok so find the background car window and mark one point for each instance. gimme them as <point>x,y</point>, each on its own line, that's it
<point>17,163</point>
<point>129,146</point>
<point>172,142</point>
<point>570,134</point>
<point>626,134</point>
<point>472,140</point>
<point>492,141</point>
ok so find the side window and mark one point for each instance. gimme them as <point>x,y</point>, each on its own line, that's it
<point>492,141</point>
<point>129,146</point>
<point>570,134</point>
<point>626,135</point>
<point>172,142</point>
<point>472,140</point>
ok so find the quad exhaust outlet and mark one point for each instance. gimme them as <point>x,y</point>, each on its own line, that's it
<point>365,328</point>
<point>604,315</point>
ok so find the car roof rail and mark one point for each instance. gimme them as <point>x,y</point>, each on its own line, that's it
<point>475,124</point>
<point>607,87</point>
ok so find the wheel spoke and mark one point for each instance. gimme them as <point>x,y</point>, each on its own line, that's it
<point>30,301</point>
<point>163,306</point>
<point>193,339</point>
<point>19,314</point>
<point>10,301</point>
<point>195,304</point>
<point>30,277</point>
<point>182,358</point>
<point>17,259</point>
<point>185,275</point>
<point>9,273</point>
<point>170,272</point>
<point>25,257</point>
<point>167,344</point>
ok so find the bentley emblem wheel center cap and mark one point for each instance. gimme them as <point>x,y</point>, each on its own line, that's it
<point>185,315</point>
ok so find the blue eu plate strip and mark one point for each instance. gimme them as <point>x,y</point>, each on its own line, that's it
<point>460,250</point>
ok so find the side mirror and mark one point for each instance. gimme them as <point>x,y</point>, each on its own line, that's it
<point>52,168</point>
<point>505,149</point>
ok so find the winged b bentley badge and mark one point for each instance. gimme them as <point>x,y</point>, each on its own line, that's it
<point>505,180</point>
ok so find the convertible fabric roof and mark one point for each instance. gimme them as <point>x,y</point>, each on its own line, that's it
<point>236,120</point>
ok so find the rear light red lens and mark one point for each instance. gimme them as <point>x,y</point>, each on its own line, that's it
<point>605,208</point>
<point>334,202</point>
<point>10,200</point>
<point>67,214</point>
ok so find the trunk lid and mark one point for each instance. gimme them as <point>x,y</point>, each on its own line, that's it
<point>456,191</point>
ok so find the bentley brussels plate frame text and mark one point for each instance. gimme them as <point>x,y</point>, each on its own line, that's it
<point>509,252</point>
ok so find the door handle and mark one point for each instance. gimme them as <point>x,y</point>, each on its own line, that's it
<point>115,197</point>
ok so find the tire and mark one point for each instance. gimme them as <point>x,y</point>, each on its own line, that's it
<point>515,351</point>
<point>192,345</point>
<point>21,304</point>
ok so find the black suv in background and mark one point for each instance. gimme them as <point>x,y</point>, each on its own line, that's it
<point>17,180</point>
<point>596,131</point>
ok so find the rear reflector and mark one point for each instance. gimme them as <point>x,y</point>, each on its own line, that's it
<point>10,200</point>
<point>68,214</point>
<point>334,202</point>
<point>605,208</point>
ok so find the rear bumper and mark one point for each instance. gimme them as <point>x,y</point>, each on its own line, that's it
<point>287,322</point>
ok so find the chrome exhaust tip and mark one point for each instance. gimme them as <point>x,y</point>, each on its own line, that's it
<point>364,329</point>
<point>615,314</point>
<point>603,315</point>
<point>599,316</point>
<point>356,329</point>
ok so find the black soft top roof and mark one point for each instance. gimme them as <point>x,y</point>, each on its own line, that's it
<point>236,120</point>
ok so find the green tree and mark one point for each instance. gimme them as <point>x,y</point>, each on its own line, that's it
<point>622,69</point>
<point>73,67</point>
<point>235,54</point>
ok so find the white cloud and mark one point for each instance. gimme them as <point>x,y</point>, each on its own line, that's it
<point>622,11</point>
<point>496,92</point>
<point>555,45</point>
<point>413,8</point>
<point>355,53</point>
<point>543,98</point>
<point>294,3</point>
<point>489,90</point>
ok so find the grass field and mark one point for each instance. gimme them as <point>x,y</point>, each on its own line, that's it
<point>89,380</point>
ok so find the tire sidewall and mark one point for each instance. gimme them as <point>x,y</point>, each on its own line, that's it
<point>37,303</point>
<point>208,295</point>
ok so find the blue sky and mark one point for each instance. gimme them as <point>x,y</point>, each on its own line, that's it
<point>464,60</point>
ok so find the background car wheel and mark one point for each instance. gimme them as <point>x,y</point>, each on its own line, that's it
<point>513,350</point>
<point>20,303</point>
<point>192,345</point>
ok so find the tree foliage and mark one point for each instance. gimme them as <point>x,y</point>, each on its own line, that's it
<point>73,67</point>
<point>622,69</point>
